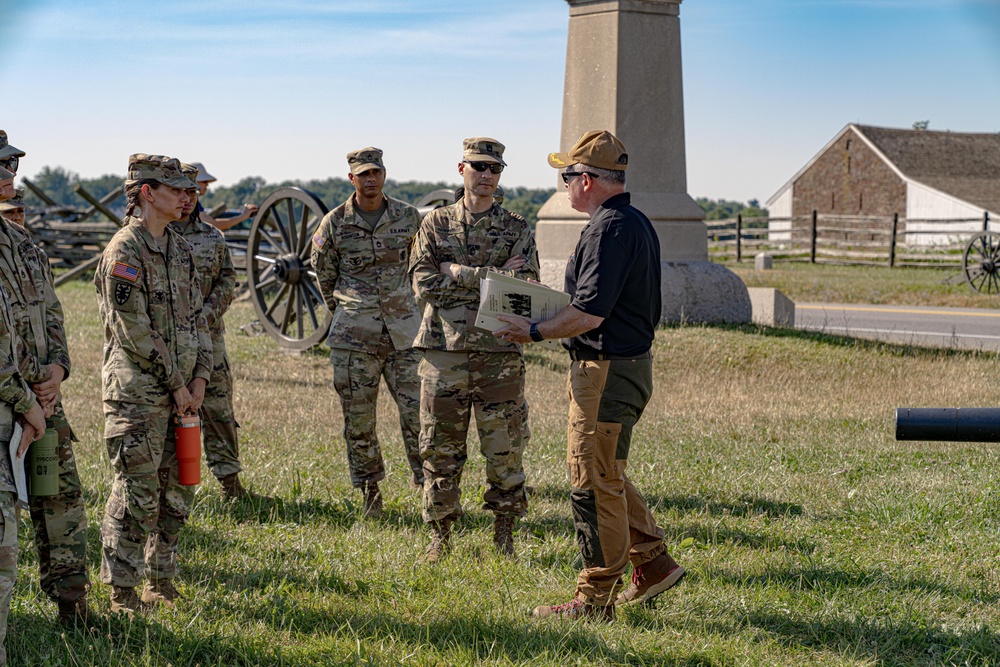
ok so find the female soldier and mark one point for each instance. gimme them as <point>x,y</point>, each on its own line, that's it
<point>157,360</point>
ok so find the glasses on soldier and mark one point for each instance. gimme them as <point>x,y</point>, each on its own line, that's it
<point>10,164</point>
<point>567,176</point>
<point>494,167</point>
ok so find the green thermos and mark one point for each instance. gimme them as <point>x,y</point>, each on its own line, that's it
<point>43,465</point>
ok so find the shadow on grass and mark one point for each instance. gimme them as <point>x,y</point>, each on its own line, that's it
<point>745,505</point>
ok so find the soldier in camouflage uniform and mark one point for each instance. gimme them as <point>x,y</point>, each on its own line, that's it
<point>466,369</point>
<point>157,362</point>
<point>359,254</point>
<point>218,285</point>
<point>16,401</point>
<point>12,210</point>
<point>60,521</point>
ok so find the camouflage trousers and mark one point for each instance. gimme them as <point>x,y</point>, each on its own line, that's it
<point>218,420</point>
<point>356,377</point>
<point>8,562</point>
<point>60,524</point>
<point>148,506</point>
<point>455,385</point>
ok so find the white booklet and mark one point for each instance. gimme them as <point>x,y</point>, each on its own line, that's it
<point>499,293</point>
<point>17,466</point>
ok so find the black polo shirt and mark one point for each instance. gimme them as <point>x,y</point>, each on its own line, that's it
<point>615,274</point>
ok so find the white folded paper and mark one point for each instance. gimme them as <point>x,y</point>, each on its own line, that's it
<point>499,293</point>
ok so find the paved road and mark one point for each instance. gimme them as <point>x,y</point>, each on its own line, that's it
<point>966,328</point>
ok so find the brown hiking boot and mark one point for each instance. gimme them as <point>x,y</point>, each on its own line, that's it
<point>373,501</point>
<point>652,578</point>
<point>74,612</point>
<point>125,601</point>
<point>576,610</point>
<point>232,488</point>
<point>440,542</point>
<point>161,592</point>
<point>503,535</point>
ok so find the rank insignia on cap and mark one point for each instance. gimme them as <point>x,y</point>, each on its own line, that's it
<point>318,240</point>
<point>126,271</point>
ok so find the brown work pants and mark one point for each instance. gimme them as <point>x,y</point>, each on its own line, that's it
<point>613,524</point>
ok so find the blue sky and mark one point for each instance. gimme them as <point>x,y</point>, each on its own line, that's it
<point>285,88</point>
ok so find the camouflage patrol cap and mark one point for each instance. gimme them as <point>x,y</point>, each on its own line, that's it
<point>596,148</point>
<point>203,175</point>
<point>364,159</point>
<point>483,149</point>
<point>15,203</point>
<point>166,170</point>
<point>191,173</point>
<point>6,150</point>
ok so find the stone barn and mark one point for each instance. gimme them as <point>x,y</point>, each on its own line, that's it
<point>924,176</point>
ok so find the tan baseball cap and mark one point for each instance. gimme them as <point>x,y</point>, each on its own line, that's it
<point>191,173</point>
<point>166,170</point>
<point>364,159</point>
<point>483,149</point>
<point>203,175</point>
<point>596,148</point>
<point>6,150</point>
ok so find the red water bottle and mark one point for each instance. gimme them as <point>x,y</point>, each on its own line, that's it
<point>187,442</point>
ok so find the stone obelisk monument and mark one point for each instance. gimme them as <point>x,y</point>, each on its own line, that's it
<point>623,74</point>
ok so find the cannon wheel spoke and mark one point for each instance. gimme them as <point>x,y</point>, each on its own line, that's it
<point>981,263</point>
<point>288,304</point>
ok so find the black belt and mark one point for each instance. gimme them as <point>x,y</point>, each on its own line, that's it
<point>594,355</point>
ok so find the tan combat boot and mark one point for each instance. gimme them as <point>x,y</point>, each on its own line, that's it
<point>503,535</point>
<point>160,592</point>
<point>125,601</point>
<point>231,487</point>
<point>440,541</point>
<point>74,613</point>
<point>373,501</point>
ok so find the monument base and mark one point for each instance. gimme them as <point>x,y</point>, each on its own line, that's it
<point>693,292</point>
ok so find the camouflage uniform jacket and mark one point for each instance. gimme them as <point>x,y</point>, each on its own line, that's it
<point>362,274</point>
<point>38,315</point>
<point>215,268</point>
<point>15,395</point>
<point>156,339</point>
<point>449,306</point>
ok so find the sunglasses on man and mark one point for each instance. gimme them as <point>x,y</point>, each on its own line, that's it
<point>10,164</point>
<point>494,167</point>
<point>567,176</point>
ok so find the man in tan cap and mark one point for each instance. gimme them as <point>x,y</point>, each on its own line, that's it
<point>222,224</point>
<point>59,520</point>
<point>17,404</point>
<point>360,254</point>
<point>613,279</point>
<point>12,210</point>
<point>157,362</point>
<point>466,369</point>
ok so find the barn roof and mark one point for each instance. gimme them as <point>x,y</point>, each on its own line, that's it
<point>963,165</point>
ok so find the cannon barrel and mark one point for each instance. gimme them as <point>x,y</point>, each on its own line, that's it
<point>953,424</point>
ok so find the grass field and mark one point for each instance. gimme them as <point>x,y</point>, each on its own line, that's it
<point>810,535</point>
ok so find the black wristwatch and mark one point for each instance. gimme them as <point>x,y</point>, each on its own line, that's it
<point>533,332</point>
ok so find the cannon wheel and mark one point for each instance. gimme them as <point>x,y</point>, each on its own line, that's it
<point>282,284</point>
<point>981,262</point>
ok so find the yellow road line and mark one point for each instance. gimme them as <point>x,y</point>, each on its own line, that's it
<point>909,311</point>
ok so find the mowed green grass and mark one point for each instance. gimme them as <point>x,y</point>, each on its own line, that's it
<point>810,536</point>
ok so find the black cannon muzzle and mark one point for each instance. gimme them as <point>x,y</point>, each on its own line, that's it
<point>953,424</point>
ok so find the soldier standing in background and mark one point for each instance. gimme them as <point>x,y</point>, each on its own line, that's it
<point>12,210</point>
<point>222,224</point>
<point>465,368</point>
<point>60,521</point>
<point>157,362</point>
<point>359,254</point>
<point>16,401</point>
<point>218,285</point>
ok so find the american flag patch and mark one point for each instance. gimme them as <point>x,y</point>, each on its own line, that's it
<point>318,240</point>
<point>126,271</point>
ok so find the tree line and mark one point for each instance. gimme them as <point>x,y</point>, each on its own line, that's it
<point>58,184</point>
